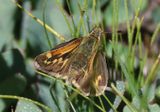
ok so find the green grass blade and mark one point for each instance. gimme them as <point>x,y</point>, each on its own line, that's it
<point>26,99</point>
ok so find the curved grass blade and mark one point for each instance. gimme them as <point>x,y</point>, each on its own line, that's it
<point>26,99</point>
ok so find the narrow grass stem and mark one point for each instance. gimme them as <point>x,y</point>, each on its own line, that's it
<point>100,100</point>
<point>110,103</point>
<point>130,106</point>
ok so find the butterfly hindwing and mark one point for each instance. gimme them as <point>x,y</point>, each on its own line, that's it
<point>100,75</point>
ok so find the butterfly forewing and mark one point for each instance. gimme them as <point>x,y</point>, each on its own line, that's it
<point>53,62</point>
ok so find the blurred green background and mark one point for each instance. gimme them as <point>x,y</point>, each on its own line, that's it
<point>22,38</point>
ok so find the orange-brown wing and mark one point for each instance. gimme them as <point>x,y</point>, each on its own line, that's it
<point>95,78</point>
<point>99,75</point>
<point>54,61</point>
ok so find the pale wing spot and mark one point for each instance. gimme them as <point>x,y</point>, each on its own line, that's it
<point>75,84</point>
<point>98,79</point>
<point>54,61</point>
<point>49,55</point>
<point>64,63</point>
<point>60,60</point>
<point>47,62</point>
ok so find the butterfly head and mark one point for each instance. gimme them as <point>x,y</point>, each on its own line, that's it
<point>96,32</point>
